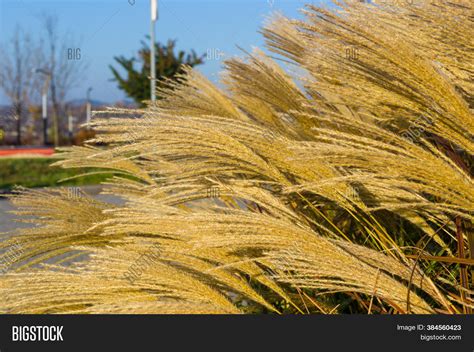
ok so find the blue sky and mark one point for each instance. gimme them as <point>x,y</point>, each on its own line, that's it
<point>108,28</point>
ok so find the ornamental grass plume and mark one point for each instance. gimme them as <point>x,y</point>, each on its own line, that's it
<point>340,184</point>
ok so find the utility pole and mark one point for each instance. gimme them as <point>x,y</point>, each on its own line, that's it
<point>154,17</point>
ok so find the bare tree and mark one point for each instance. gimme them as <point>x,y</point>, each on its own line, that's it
<point>64,70</point>
<point>16,74</point>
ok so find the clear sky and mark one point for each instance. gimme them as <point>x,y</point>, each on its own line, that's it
<point>108,28</point>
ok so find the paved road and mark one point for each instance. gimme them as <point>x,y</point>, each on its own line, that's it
<point>7,222</point>
<point>6,219</point>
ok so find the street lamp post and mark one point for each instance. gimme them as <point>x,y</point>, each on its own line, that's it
<point>44,101</point>
<point>70,126</point>
<point>88,107</point>
<point>154,17</point>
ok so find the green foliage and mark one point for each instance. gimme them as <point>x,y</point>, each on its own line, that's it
<point>136,83</point>
<point>38,173</point>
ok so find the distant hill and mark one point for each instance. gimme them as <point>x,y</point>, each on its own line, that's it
<point>75,103</point>
<point>79,103</point>
<point>82,102</point>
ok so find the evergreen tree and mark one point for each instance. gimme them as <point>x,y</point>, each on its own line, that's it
<point>136,83</point>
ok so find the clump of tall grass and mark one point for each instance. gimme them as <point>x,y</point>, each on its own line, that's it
<point>343,184</point>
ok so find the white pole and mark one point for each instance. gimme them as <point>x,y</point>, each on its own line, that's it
<point>45,105</point>
<point>44,101</point>
<point>88,107</point>
<point>88,118</point>
<point>154,10</point>
<point>70,123</point>
<point>154,17</point>
<point>45,116</point>
<point>70,127</point>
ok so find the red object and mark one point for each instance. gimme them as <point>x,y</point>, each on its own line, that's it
<point>29,151</point>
